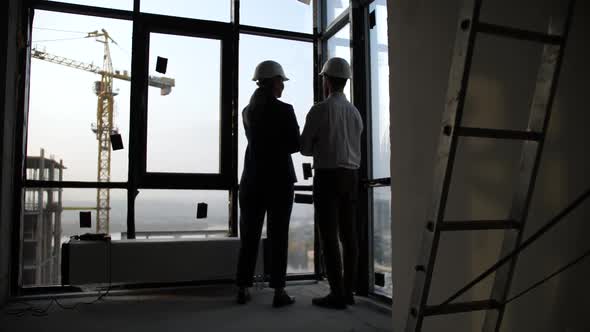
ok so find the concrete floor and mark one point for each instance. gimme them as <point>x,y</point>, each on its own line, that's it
<point>210,308</point>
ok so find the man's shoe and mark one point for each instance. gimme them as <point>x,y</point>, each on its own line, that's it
<point>329,301</point>
<point>282,299</point>
<point>243,296</point>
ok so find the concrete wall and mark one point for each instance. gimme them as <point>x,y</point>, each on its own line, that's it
<point>421,37</point>
<point>8,80</point>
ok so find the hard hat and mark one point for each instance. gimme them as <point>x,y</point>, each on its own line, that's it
<point>268,69</point>
<point>336,67</point>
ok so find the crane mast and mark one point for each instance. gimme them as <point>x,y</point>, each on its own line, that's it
<point>103,130</point>
<point>104,126</point>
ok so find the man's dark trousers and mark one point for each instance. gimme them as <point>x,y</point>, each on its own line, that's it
<point>335,193</point>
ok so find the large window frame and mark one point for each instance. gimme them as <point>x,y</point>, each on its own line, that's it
<point>357,15</point>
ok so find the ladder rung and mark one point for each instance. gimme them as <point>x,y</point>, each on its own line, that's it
<point>518,33</point>
<point>476,225</point>
<point>498,133</point>
<point>454,308</point>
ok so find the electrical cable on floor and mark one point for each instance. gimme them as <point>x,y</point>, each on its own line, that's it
<point>44,311</point>
<point>544,280</point>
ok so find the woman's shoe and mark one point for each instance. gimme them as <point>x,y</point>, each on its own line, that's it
<point>282,299</point>
<point>243,296</point>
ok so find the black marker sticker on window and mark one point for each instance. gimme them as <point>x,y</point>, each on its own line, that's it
<point>161,65</point>
<point>85,219</point>
<point>116,142</point>
<point>201,210</point>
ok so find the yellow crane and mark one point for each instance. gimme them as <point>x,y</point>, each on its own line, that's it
<point>104,127</point>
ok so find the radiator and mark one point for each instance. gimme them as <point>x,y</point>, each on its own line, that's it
<point>152,261</point>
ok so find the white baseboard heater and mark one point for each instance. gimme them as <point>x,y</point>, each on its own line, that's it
<point>152,261</point>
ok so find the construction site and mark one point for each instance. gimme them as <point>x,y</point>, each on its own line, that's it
<point>131,165</point>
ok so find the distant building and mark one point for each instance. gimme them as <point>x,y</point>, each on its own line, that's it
<point>41,227</point>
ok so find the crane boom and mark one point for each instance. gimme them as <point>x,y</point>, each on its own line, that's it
<point>164,83</point>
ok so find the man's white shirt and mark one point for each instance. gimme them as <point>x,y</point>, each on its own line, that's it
<point>332,134</point>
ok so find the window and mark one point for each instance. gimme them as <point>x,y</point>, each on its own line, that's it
<point>382,237</point>
<point>173,213</point>
<point>339,46</point>
<point>184,124</point>
<point>114,4</point>
<point>380,91</point>
<point>50,217</point>
<point>335,8</point>
<point>281,15</point>
<point>218,10</point>
<point>297,61</point>
<point>296,58</point>
<point>301,239</point>
<point>300,255</point>
<point>381,196</point>
<point>181,118</point>
<point>67,53</point>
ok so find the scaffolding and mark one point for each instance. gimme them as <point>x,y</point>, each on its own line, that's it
<point>41,227</point>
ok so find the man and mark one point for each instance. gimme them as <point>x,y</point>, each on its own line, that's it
<point>266,186</point>
<point>332,135</point>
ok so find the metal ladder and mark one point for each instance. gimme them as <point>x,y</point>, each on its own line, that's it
<point>533,138</point>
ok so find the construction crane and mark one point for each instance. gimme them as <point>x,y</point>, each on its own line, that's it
<point>104,128</point>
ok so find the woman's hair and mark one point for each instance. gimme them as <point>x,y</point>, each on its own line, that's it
<point>265,83</point>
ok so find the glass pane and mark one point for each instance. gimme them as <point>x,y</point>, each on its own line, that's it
<point>50,217</point>
<point>301,239</point>
<point>65,89</point>
<point>282,15</point>
<point>184,125</point>
<point>335,8</point>
<point>173,213</point>
<point>339,46</point>
<point>380,91</point>
<point>219,10</point>
<point>297,61</point>
<point>382,236</point>
<point>114,4</point>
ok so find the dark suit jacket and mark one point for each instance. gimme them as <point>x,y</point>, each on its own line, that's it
<point>273,135</point>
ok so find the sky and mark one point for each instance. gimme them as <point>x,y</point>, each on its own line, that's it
<point>183,127</point>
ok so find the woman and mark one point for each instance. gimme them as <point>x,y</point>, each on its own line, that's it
<point>266,186</point>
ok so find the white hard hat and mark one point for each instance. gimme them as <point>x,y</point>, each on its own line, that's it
<point>268,69</point>
<point>336,67</point>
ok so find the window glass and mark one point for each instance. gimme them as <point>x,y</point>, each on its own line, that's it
<point>335,8</point>
<point>114,4</point>
<point>380,91</point>
<point>301,239</point>
<point>67,57</point>
<point>381,196</point>
<point>339,46</point>
<point>218,10</point>
<point>296,59</point>
<point>184,123</point>
<point>173,213</point>
<point>50,217</point>
<point>300,255</point>
<point>382,237</point>
<point>282,15</point>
